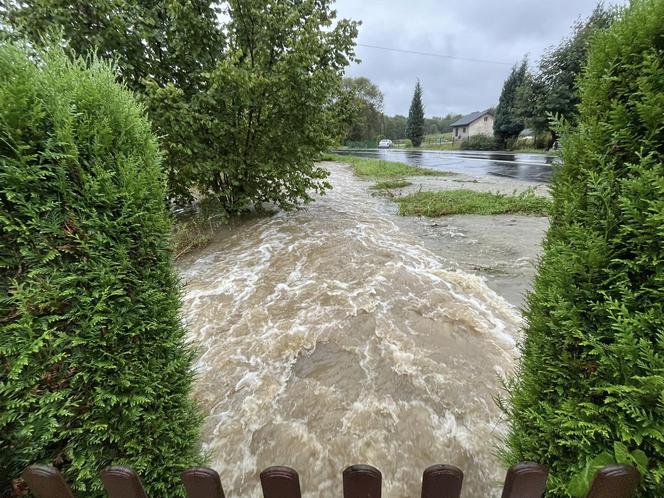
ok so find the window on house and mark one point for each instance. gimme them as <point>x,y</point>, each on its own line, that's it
<point>486,119</point>
<point>464,129</point>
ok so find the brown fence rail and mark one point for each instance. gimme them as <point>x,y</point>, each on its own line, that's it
<point>523,480</point>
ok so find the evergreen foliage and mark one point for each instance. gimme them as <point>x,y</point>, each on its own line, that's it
<point>590,387</point>
<point>507,123</point>
<point>415,124</point>
<point>93,366</point>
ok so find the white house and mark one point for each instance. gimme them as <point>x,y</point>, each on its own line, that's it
<point>477,123</point>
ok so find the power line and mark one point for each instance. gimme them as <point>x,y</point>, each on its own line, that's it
<point>429,54</point>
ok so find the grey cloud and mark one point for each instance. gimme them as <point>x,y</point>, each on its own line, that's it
<point>493,30</point>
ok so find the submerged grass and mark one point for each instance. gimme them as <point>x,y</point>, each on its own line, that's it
<point>192,233</point>
<point>390,184</point>
<point>464,201</point>
<point>202,221</point>
<point>376,168</point>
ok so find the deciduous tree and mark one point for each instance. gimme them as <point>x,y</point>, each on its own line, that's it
<point>268,109</point>
<point>395,127</point>
<point>365,121</point>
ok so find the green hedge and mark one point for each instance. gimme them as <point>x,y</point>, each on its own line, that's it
<point>93,366</point>
<point>478,142</point>
<point>590,389</point>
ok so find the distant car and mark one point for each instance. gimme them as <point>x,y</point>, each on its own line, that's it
<point>385,143</point>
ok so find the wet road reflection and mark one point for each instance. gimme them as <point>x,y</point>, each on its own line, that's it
<point>522,166</point>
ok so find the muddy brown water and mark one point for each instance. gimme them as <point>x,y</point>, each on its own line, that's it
<point>330,336</point>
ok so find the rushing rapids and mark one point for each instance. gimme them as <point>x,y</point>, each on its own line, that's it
<point>330,336</point>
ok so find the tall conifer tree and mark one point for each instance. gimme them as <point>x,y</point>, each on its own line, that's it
<point>415,125</point>
<point>508,123</point>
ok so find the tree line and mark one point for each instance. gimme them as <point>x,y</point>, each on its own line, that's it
<point>365,121</point>
<point>536,99</point>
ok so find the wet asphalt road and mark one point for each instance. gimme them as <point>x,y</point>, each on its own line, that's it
<point>521,166</point>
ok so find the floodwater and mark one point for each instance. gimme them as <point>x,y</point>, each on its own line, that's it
<point>330,336</point>
<point>521,166</point>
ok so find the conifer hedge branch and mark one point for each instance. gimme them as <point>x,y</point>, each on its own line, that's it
<point>590,388</point>
<point>93,365</point>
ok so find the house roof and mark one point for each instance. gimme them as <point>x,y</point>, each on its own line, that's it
<point>527,132</point>
<point>466,120</point>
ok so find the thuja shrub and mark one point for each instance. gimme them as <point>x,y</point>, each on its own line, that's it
<point>93,367</point>
<point>590,388</point>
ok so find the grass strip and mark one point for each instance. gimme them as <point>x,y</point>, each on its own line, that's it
<point>449,202</point>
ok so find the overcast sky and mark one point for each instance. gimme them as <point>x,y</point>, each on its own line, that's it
<point>494,30</point>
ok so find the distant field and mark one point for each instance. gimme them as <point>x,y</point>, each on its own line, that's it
<point>438,137</point>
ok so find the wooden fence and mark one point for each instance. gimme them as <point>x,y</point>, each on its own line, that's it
<point>523,480</point>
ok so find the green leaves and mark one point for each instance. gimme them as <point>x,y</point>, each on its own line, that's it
<point>360,107</point>
<point>241,109</point>
<point>507,123</point>
<point>268,108</point>
<point>93,366</point>
<point>579,485</point>
<point>589,390</point>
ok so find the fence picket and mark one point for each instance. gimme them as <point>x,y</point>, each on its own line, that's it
<point>615,481</point>
<point>202,482</point>
<point>442,481</point>
<point>122,482</point>
<point>45,481</point>
<point>525,480</point>
<point>280,482</point>
<point>362,481</point>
